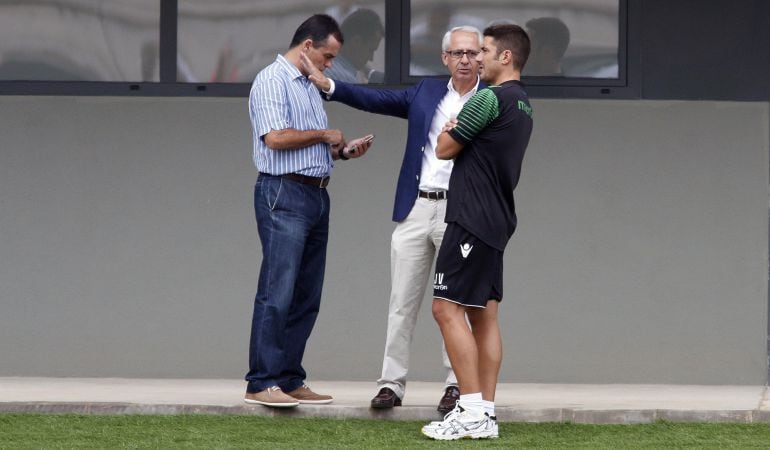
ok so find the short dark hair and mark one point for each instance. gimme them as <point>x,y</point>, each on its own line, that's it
<point>510,37</point>
<point>317,28</point>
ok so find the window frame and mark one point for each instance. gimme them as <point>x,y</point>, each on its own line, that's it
<point>397,54</point>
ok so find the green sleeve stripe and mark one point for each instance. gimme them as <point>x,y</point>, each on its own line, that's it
<point>477,113</point>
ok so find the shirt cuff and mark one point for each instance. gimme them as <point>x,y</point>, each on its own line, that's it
<point>330,92</point>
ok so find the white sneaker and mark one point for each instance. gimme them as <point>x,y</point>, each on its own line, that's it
<point>462,425</point>
<point>495,432</point>
<point>448,416</point>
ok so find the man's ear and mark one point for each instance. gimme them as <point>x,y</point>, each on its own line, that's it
<point>307,44</point>
<point>507,57</point>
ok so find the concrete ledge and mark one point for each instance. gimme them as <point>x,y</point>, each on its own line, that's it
<point>419,413</point>
<point>709,416</point>
<point>515,402</point>
<point>624,416</point>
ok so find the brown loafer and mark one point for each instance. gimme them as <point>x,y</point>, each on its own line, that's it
<point>385,399</point>
<point>304,394</point>
<point>273,397</point>
<point>449,400</point>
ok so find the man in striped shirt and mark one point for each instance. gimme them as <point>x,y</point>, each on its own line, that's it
<point>293,152</point>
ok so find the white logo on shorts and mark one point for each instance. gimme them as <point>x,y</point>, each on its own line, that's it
<point>465,249</point>
<point>438,282</point>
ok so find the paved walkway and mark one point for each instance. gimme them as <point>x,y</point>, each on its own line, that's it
<point>579,403</point>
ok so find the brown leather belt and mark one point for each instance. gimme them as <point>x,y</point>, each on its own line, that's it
<point>434,195</point>
<point>314,181</point>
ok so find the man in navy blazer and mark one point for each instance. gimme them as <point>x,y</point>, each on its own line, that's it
<point>421,195</point>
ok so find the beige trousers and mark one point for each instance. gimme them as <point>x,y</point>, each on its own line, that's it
<point>413,247</point>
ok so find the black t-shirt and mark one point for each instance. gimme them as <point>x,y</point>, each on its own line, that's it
<point>494,126</point>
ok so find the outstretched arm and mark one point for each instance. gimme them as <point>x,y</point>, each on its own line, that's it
<point>381,101</point>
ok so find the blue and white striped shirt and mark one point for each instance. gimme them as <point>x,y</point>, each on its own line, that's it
<point>280,98</point>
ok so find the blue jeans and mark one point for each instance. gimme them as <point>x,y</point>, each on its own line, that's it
<point>293,224</point>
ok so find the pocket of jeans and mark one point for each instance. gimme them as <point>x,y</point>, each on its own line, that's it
<point>273,194</point>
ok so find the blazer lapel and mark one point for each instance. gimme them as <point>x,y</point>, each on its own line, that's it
<point>438,91</point>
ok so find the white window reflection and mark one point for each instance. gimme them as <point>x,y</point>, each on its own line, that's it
<point>230,41</point>
<point>570,38</point>
<point>79,40</point>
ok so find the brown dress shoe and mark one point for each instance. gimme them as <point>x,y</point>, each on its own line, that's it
<point>303,394</point>
<point>385,399</point>
<point>272,396</point>
<point>449,400</point>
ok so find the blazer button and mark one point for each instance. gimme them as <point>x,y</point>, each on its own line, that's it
<point>422,149</point>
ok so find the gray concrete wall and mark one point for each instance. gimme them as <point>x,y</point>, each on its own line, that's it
<point>128,246</point>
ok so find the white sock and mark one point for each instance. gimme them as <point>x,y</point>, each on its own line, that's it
<point>472,402</point>
<point>489,407</point>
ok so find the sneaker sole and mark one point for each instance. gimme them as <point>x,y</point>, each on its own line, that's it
<point>440,437</point>
<point>270,404</point>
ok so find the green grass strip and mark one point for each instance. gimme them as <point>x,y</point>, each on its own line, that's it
<point>43,431</point>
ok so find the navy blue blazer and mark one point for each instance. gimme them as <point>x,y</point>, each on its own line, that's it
<point>417,104</point>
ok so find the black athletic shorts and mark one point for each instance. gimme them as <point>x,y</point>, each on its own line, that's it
<point>468,271</point>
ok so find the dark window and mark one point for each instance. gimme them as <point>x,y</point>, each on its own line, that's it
<point>79,40</point>
<point>215,48</point>
<point>570,38</point>
<point>230,41</point>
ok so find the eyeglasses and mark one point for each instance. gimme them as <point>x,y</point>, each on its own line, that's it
<point>458,54</point>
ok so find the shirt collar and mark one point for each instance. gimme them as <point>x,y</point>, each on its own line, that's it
<point>294,73</point>
<point>451,87</point>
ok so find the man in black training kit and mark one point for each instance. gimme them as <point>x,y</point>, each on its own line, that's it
<point>488,141</point>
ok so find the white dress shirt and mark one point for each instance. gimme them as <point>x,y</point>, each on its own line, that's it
<point>435,172</point>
